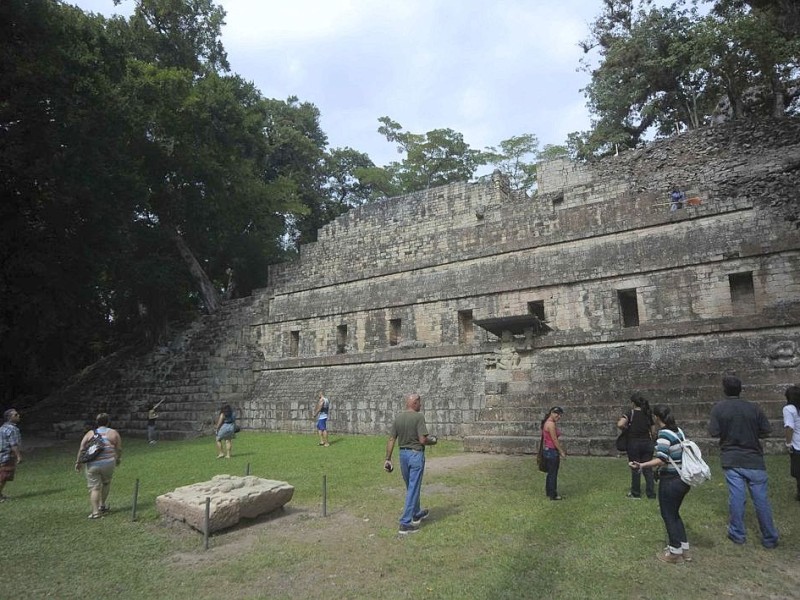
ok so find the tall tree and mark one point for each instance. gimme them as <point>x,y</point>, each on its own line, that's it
<point>516,158</point>
<point>435,158</point>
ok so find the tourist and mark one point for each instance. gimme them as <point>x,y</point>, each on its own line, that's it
<point>321,413</point>
<point>739,424</point>
<point>671,488</point>
<point>553,451</point>
<point>10,448</point>
<point>152,415</point>
<point>411,435</point>
<point>100,471</point>
<point>639,424</point>
<point>226,430</point>
<point>677,198</point>
<point>791,429</point>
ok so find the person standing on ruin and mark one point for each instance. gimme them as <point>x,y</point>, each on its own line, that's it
<point>321,414</point>
<point>791,430</point>
<point>677,198</point>
<point>100,471</point>
<point>10,444</point>
<point>410,433</point>
<point>553,451</point>
<point>739,425</point>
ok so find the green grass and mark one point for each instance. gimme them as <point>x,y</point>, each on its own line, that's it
<point>492,533</point>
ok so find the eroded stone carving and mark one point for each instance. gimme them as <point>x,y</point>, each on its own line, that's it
<point>232,498</point>
<point>783,355</point>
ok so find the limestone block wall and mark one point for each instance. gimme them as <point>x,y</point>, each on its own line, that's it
<point>366,395</point>
<point>385,303</point>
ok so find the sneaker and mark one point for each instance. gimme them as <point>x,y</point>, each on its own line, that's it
<point>668,557</point>
<point>556,497</point>
<point>406,529</point>
<point>632,497</point>
<point>105,509</point>
<point>152,442</point>
<point>420,517</point>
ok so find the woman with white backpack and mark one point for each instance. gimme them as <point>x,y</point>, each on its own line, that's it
<point>671,488</point>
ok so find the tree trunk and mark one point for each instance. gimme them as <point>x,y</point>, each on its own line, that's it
<point>205,287</point>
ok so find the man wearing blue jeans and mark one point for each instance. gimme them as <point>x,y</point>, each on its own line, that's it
<point>411,435</point>
<point>739,424</point>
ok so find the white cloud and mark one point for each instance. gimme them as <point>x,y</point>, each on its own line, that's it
<point>489,70</point>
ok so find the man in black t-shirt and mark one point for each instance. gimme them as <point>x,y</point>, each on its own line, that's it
<point>739,425</point>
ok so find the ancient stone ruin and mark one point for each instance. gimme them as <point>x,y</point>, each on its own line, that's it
<point>495,306</point>
<point>231,499</point>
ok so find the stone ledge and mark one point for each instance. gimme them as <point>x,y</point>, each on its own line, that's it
<point>232,498</point>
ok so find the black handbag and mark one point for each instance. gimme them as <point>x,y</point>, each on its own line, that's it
<point>541,463</point>
<point>622,438</point>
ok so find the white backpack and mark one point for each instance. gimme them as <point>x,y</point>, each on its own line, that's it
<point>693,469</point>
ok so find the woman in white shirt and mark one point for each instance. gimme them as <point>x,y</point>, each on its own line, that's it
<point>791,429</point>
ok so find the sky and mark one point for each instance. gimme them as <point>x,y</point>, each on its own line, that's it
<point>489,69</point>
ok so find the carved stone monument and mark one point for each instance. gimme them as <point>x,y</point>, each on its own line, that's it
<point>232,498</point>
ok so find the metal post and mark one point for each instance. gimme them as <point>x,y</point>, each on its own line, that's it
<point>206,524</point>
<point>135,500</point>
<point>324,495</point>
<point>247,470</point>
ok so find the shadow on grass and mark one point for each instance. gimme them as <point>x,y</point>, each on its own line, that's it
<point>39,493</point>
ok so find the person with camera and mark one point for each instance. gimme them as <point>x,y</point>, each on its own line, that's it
<point>671,488</point>
<point>410,433</point>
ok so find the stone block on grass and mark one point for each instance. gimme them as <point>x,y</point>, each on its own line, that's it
<point>232,498</point>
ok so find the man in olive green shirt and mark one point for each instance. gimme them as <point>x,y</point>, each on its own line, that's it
<point>411,435</point>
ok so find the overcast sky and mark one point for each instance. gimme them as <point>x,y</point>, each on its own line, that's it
<point>489,69</point>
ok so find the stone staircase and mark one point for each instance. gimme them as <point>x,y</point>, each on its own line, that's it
<point>206,365</point>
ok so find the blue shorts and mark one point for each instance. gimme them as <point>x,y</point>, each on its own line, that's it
<point>322,424</point>
<point>226,432</point>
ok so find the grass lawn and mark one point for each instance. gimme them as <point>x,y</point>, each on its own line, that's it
<point>491,533</point>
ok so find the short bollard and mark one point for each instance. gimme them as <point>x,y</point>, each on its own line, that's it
<point>247,470</point>
<point>135,500</point>
<point>207,524</point>
<point>324,495</point>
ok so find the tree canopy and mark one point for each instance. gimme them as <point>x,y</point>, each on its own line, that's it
<point>660,69</point>
<point>141,180</point>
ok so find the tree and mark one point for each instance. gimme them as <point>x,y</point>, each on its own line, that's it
<point>128,167</point>
<point>68,190</point>
<point>345,190</point>
<point>516,158</point>
<point>748,56</point>
<point>644,79</point>
<point>435,158</point>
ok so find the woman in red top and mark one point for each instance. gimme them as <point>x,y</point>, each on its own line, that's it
<point>553,451</point>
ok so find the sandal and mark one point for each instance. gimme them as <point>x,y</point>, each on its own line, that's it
<point>95,516</point>
<point>220,456</point>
